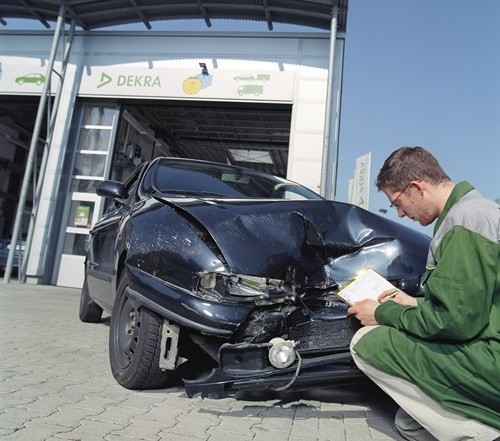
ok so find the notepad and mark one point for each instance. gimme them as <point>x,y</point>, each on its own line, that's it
<point>367,284</point>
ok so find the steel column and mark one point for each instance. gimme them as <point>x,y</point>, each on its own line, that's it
<point>48,141</point>
<point>33,149</point>
<point>330,149</point>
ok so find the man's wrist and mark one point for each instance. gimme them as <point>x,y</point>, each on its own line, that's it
<point>388,313</point>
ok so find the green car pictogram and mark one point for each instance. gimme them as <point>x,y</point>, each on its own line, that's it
<point>35,78</point>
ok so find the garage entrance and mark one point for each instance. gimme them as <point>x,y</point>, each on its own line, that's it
<point>112,139</point>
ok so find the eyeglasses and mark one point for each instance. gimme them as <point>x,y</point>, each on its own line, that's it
<point>393,203</point>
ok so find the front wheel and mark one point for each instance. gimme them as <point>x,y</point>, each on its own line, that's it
<point>134,343</point>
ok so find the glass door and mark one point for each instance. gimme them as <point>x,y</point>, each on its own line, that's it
<point>93,153</point>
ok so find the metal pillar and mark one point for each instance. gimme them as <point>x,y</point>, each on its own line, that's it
<point>330,149</point>
<point>43,165</point>
<point>33,149</point>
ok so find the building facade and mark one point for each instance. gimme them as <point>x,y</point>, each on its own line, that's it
<point>252,99</point>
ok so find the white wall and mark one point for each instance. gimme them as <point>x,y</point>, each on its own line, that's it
<point>296,65</point>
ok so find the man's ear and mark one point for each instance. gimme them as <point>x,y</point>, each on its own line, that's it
<point>419,185</point>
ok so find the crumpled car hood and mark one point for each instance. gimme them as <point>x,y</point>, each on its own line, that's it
<point>321,241</point>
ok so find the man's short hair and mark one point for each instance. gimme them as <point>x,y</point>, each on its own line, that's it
<point>408,164</point>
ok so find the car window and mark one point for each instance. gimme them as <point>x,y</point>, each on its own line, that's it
<point>219,180</point>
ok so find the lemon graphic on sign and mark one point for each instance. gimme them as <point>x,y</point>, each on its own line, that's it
<point>191,85</point>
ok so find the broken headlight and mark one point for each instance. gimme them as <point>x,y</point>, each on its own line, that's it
<point>241,286</point>
<point>250,286</point>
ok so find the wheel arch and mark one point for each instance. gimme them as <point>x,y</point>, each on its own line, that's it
<point>120,268</point>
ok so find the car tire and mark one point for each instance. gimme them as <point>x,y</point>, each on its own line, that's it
<point>90,312</point>
<point>134,343</point>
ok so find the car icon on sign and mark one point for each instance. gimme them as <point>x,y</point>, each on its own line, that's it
<point>246,77</point>
<point>35,78</point>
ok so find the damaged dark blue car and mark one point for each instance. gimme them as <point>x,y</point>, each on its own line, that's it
<point>234,273</point>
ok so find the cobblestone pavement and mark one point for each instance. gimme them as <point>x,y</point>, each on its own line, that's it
<point>55,383</point>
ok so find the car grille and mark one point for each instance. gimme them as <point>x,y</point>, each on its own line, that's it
<point>324,335</point>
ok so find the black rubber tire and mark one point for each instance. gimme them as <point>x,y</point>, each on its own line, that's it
<point>90,312</point>
<point>134,343</point>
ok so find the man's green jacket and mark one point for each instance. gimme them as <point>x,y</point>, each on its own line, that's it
<point>449,345</point>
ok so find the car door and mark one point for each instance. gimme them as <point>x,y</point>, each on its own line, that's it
<point>103,251</point>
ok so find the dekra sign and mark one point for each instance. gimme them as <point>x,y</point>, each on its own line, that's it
<point>131,80</point>
<point>138,81</point>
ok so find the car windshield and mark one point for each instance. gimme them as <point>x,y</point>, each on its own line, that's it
<point>195,178</point>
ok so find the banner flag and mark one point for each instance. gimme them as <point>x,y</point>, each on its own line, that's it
<point>360,193</point>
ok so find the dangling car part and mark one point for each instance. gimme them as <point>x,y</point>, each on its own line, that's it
<point>240,268</point>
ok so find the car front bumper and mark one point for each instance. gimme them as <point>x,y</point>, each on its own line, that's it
<point>245,367</point>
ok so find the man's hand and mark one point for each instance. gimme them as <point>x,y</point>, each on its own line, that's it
<point>397,296</point>
<point>364,311</point>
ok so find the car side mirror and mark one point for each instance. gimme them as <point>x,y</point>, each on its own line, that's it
<point>111,189</point>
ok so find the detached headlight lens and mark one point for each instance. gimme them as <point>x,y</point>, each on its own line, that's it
<point>281,353</point>
<point>208,280</point>
<point>250,286</point>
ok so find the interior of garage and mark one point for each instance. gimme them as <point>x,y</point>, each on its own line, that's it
<point>254,135</point>
<point>17,118</point>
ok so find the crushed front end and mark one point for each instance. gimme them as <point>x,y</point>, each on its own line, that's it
<point>253,285</point>
<point>312,349</point>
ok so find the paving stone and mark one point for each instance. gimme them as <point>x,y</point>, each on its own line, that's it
<point>162,413</point>
<point>167,436</point>
<point>95,402</point>
<point>17,382</point>
<point>50,402</point>
<point>218,434</point>
<point>91,430</point>
<point>274,424</point>
<point>235,425</point>
<point>14,418</point>
<point>261,434</point>
<point>68,415</point>
<point>36,432</point>
<point>5,432</point>
<point>142,429</point>
<point>138,401</point>
<point>196,424</point>
<point>309,437</point>
<point>116,414</point>
<point>16,398</point>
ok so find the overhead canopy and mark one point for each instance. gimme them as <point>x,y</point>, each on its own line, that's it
<point>95,14</point>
